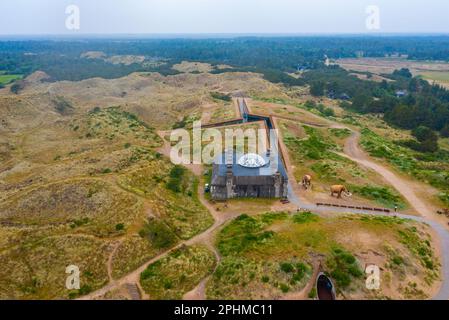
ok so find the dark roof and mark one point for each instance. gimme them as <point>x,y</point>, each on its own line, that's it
<point>243,175</point>
<point>217,180</point>
<point>254,181</point>
<point>243,180</point>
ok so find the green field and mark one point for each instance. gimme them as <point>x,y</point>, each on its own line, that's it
<point>439,76</point>
<point>8,78</point>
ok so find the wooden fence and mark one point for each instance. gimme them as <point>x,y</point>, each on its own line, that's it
<point>353,207</point>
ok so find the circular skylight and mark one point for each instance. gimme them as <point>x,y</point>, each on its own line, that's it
<point>251,160</point>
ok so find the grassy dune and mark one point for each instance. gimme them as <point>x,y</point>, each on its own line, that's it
<point>268,255</point>
<point>315,151</point>
<point>180,209</point>
<point>178,273</point>
<point>429,168</point>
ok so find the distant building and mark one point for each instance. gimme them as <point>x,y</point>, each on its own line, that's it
<point>327,61</point>
<point>332,95</point>
<point>248,176</point>
<point>300,68</point>
<point>401,93</point>
<point>344,96</point>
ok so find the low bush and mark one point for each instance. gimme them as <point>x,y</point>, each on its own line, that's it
<point>382,195</point>
<point>344,267</point>
<point>175,181</point>
<point>159,234</point>
<point>221,96</point>
<point>305,217</point>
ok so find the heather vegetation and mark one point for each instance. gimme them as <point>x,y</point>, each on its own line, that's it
<point>270,255</point>
<point>85,178</point>
<point>429,168</point>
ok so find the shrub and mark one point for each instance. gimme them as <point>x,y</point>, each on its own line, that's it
<point>403,72</point>
<point>428,139</point>
<point>119,227</point>
<point>328,112</point>
<point>305,217</point>
<point>429,145</point>
<point>284,287</point>
<point>342,278</point>
<point>168,285</point>
<point>340,133</point>
<point>175,178</point>
<point>397,260</point>
<point>85,289</point>
<point>423,133</point>
<point>159,234</point>
<point>343,267</point>
<point>310,104</point>
<point>184,122</point>
<point>221,96</point>
<point>444,196</point>
<point>16,87</point>
<point>312,293</point>
<point>62,105</point>
<point>73,295</point>
<point>95,110</point>
<point>287,267</point>
<point>422,249</point>
<point>382,195</point>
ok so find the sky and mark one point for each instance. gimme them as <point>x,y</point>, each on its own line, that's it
<point>49,17</point>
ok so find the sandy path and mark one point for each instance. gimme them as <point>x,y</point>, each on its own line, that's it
<point>411,190</point>
<point>405,186</point>
<point>110,259</point>
<point>352,151</point>
<point>205,238</point>
<point>199,292</point>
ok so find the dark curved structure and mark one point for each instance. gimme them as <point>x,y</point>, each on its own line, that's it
<point>325,288</point>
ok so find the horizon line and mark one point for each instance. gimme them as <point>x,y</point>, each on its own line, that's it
<point>50,36</point>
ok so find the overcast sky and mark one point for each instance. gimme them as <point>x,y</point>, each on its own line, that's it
<point>32,17</point>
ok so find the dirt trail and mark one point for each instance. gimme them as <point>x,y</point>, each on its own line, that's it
<point>206,238</point>
<point>407,187</point>
<point>110,259</point>
<point>410,190</point>
<point>352,150</point>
